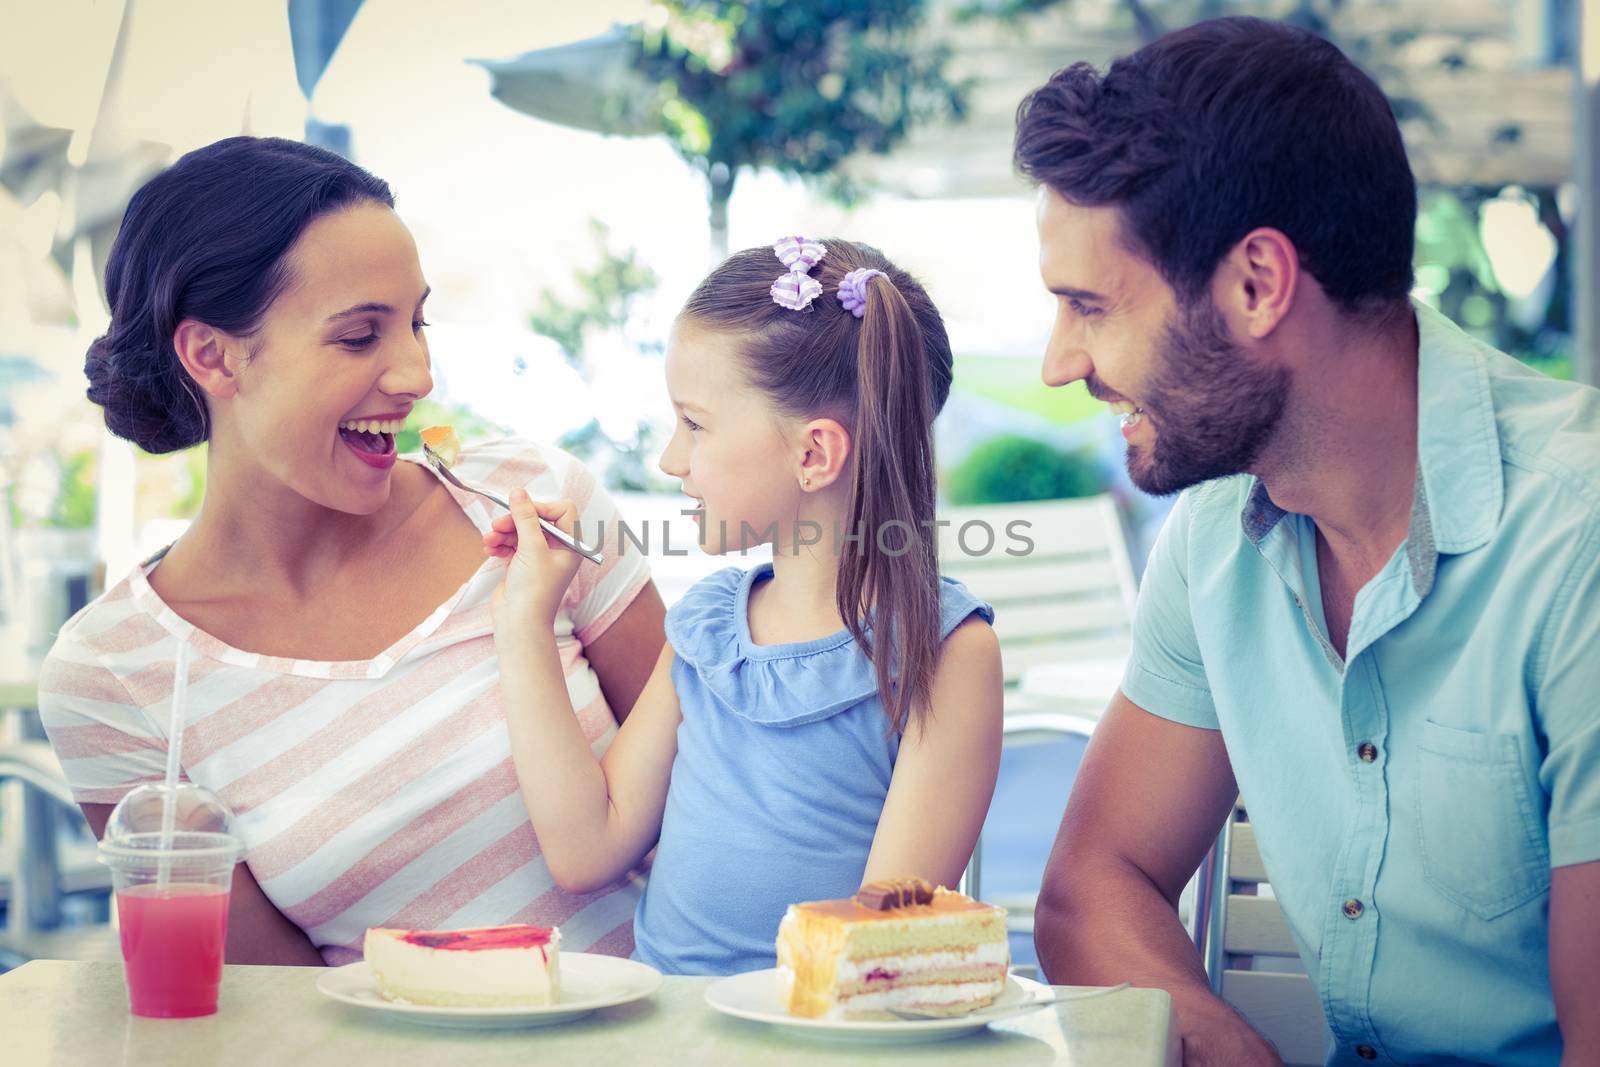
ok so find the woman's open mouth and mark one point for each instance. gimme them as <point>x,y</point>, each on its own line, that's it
<point>372,440</point>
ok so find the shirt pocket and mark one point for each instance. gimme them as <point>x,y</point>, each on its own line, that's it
<point>1482,840</point>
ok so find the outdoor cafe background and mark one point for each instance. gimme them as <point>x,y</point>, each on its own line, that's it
<point>571,170</point>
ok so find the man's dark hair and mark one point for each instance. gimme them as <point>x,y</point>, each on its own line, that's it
<point>1211,131</point>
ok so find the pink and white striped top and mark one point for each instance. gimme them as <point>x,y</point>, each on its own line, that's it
<point>369,792</point>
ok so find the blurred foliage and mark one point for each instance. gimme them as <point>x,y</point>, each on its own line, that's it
<point>796,87</point>
<point>606,295</point>
<point>171,485</point>
<point>1453,265</point>
<point>626,464</point>
<point>1015,382</point>
<point>1005,470</point>
<point>74,504</point>
<point>194,460</point>
<point>433,412</point>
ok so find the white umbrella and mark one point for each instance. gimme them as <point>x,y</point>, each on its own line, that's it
<point>590,84</point>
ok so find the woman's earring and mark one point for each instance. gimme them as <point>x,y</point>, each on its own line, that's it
<point>805,483</point>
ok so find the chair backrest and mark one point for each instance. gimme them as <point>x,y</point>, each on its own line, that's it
<point>1245,931</point>
<point>1069,596</point>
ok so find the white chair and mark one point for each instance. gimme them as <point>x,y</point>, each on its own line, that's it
<point>33,877</point>
<point>1244,933</point>
<point>1063,607</point>
<point>1063,614</point>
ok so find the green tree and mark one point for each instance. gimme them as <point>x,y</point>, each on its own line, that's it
<point>796,87</point>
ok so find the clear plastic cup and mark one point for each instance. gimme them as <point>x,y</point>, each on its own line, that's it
<point>172,897</point>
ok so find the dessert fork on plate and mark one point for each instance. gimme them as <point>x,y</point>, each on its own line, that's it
<point>437,462</point>
<point>1003,1010</point>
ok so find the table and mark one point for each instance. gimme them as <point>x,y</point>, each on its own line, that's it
<point>68,1013</point>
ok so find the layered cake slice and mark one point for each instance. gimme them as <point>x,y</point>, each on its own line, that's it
<point>899,944</point>
<point>493,967</point>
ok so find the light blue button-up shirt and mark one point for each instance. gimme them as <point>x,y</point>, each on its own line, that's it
<point>1472,667</point>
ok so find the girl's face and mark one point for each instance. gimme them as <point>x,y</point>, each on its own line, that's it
<point>733,452</point>
<point>337,364</point>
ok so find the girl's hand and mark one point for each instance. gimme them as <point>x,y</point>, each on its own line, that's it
<point>540,569</point>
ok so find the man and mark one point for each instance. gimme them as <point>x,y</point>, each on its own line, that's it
<point>1375,610</point>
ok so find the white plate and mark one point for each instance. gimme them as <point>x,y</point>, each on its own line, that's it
<point>754,996</point>
<point>588,982</point>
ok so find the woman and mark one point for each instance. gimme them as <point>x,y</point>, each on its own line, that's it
<point>343,692</point>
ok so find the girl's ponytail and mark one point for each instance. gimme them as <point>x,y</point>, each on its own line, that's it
<point>890,562</point>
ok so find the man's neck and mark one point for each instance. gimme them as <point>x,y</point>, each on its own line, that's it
<point>1346,454</point>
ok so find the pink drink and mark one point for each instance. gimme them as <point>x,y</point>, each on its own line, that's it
<point>172,945</point>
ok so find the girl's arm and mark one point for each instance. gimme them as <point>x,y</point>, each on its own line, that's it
<point>944,776</point>
<point>595,819</point>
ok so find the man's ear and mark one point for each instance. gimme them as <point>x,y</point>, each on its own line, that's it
<point>1254,286</point>
<point>823,453</point>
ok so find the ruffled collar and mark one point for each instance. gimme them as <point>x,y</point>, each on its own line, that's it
<point>786,684</point>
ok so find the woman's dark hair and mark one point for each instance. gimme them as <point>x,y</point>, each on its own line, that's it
<point>884,376</point>
<point>1211,131</point>
<point>205,239</point>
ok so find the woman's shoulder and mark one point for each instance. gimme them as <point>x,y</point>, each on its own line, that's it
<point>98,646</point>
<point>504,463</point>
<point>119,608</point>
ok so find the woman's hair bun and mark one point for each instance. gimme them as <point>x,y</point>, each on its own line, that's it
<point>144,396</point>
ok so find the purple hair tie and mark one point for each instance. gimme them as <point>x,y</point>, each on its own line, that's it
<point>795,289</point>
<point>853,290</point>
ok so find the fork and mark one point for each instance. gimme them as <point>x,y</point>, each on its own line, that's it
<point>1004,1010</point>
<point>592,554</point>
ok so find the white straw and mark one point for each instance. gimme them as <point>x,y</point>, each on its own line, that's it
<point>169,808</point>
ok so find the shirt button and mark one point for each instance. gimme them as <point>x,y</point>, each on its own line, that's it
<point>1352,908</point>
<point>1367,751</point>
<point>1366,1052</point>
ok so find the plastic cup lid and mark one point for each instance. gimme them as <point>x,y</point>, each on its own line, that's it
<point>184,849</point>
<point>202,830</point>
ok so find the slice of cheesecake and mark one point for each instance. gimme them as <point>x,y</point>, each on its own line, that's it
<point>492,967</point>
<point>897,944</point>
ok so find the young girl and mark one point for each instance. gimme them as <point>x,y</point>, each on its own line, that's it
<point>824,720</point>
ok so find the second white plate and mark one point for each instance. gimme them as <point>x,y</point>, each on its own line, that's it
<point>754,996</point>
<point>588,982</point>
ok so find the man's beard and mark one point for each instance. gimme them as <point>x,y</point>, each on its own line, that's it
<point>1213,410</point>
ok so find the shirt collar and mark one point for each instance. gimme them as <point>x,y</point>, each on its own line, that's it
<point>1458,444</point>
<point>1459,489</point>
